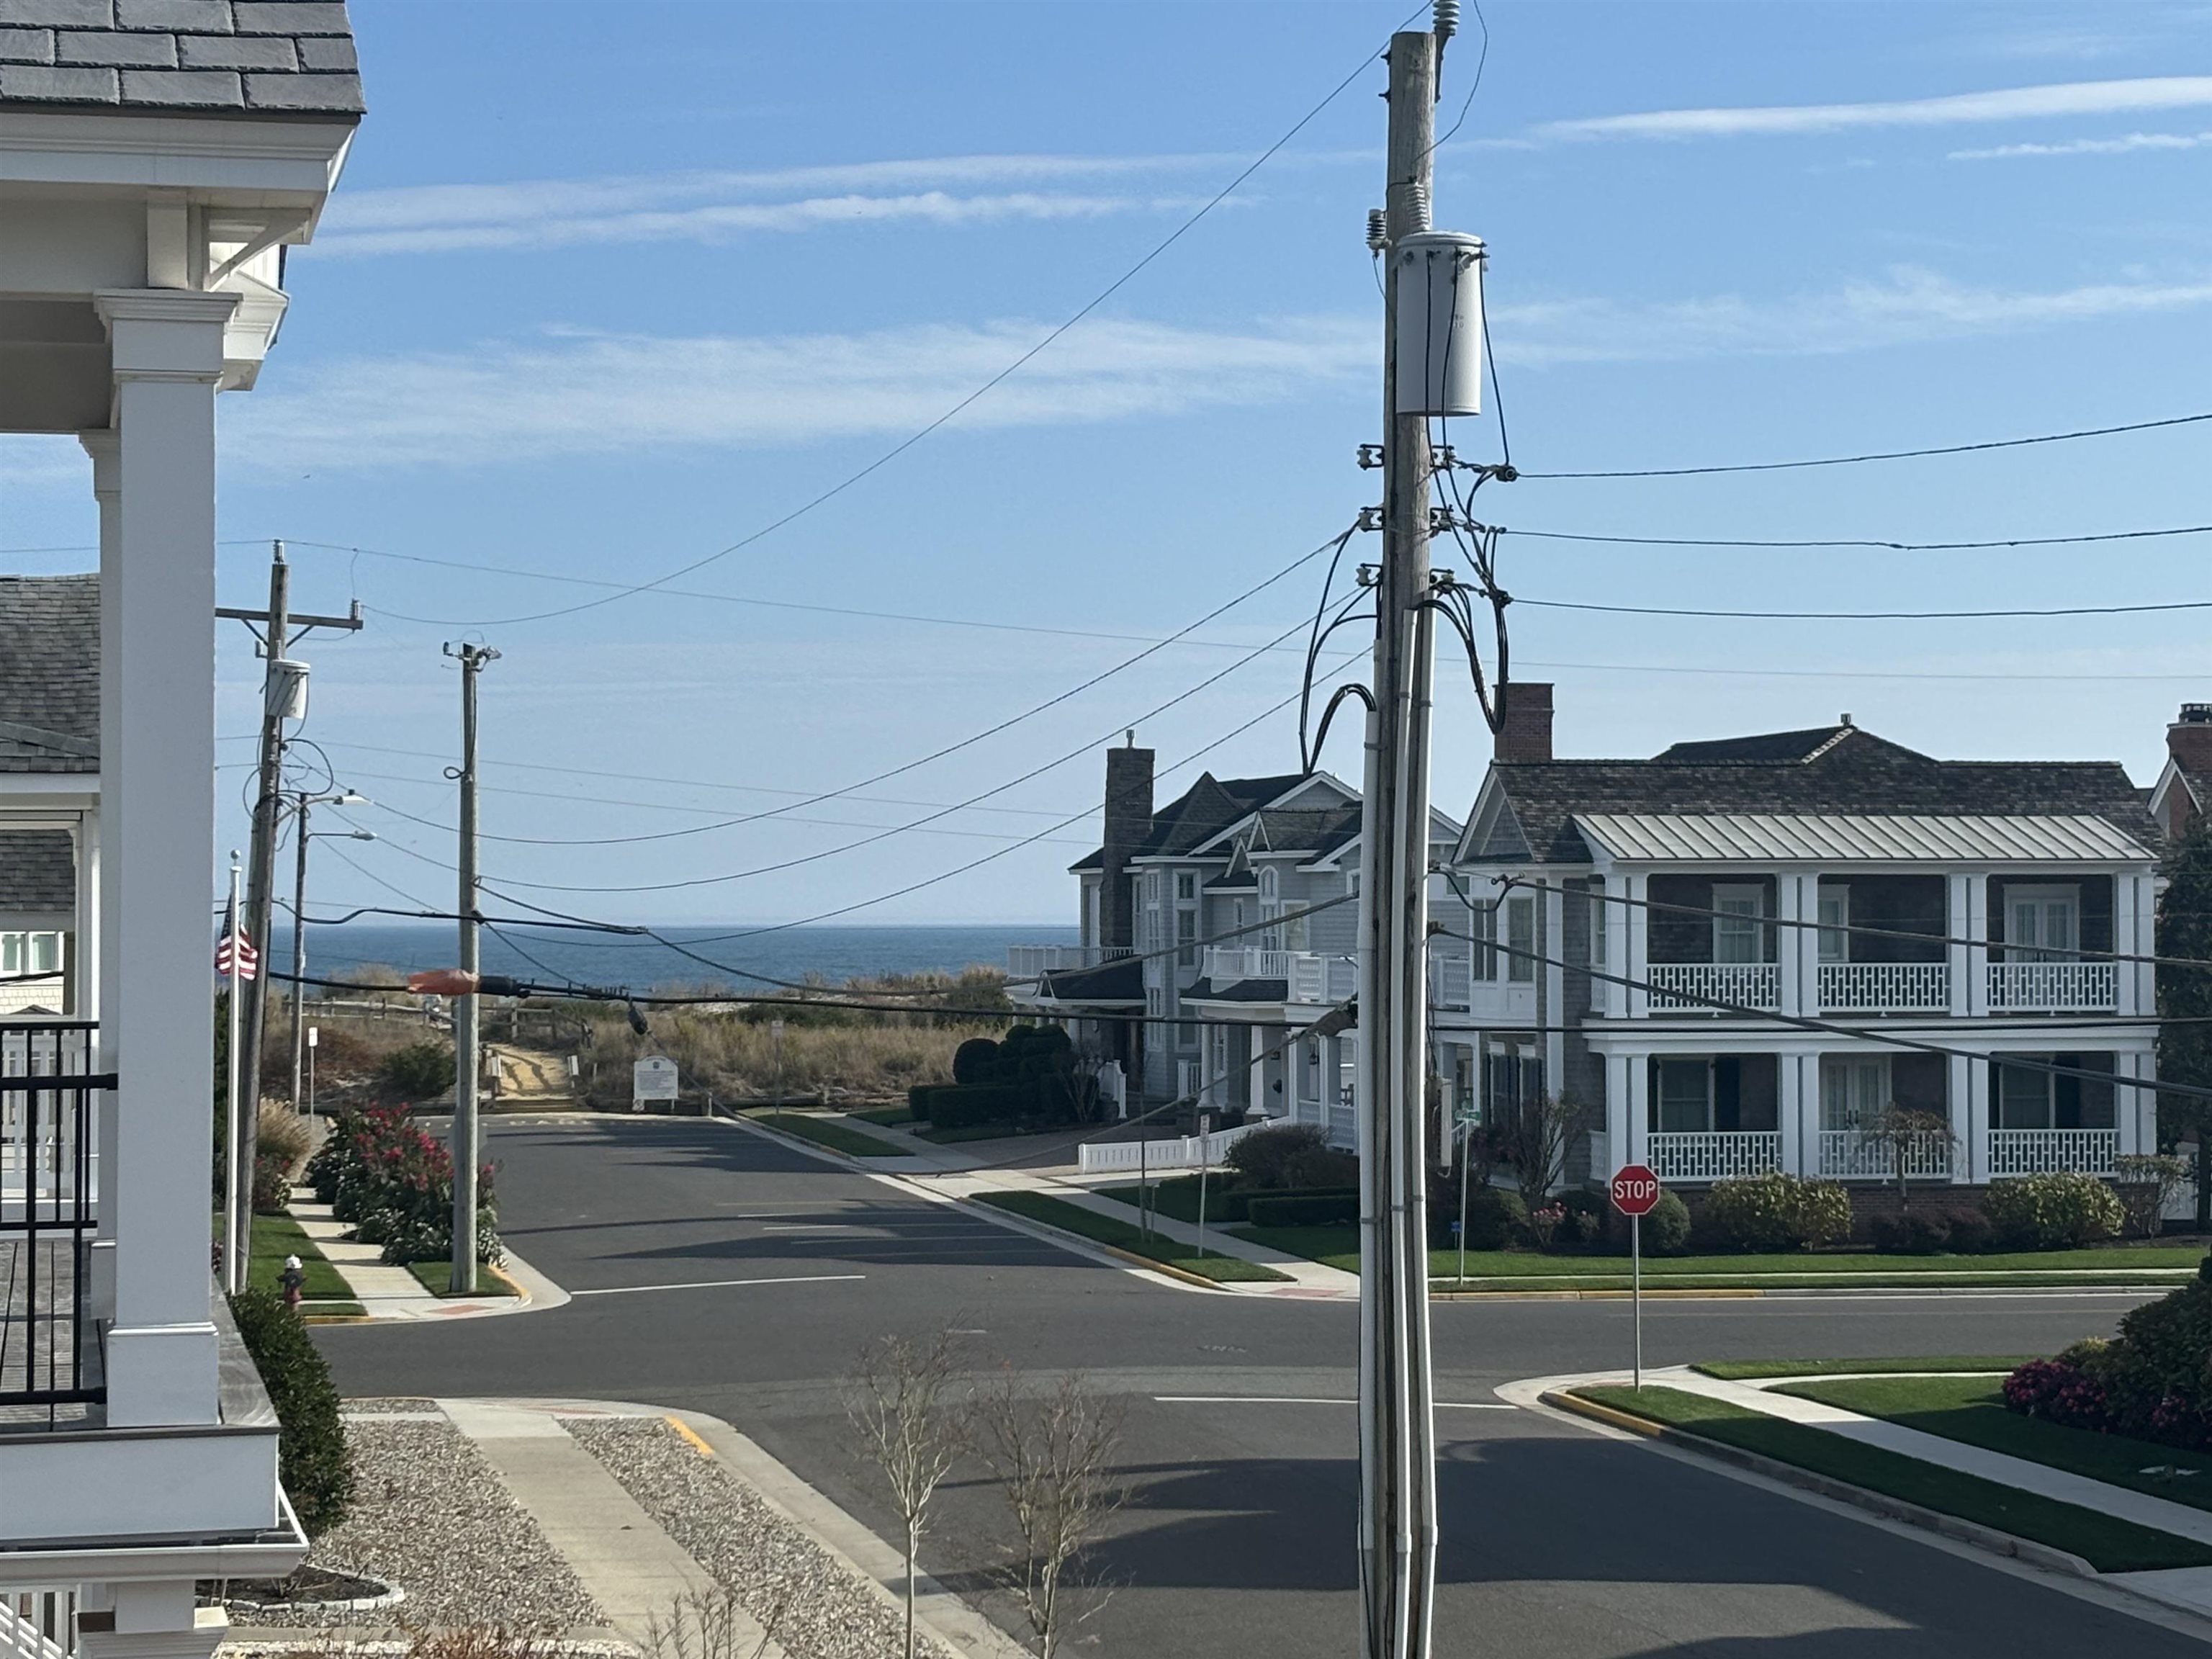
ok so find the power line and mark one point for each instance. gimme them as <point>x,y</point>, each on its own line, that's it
<point>1854,541</point>
<point>1871,615</point>
<point>1881,455</point>
<point>589,841</point>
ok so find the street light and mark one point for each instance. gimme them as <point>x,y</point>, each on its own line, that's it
<point>300,805</point>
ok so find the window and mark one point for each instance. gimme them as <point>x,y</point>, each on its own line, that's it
<point>30,953</point>
<point>1270,884</point>
<point>1482,919</point>
<point>1599,946</point>
<point>1186,1035</point>
<point>1736,930</point>
<point>1151,887</point>
<point>1835,919</point>
<point>1854,1091</point>
<point>1186,886</point>
<point>1186,936</point>
<point>1684,1100</point>
<point>2042,924</point>
<point>1156,1000</point>
<point>1521,939</point>
<point>2024,1098</point>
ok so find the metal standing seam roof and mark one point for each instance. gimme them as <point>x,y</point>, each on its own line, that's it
<point>1828,837</point>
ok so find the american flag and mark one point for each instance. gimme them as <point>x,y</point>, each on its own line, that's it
<point>249,959</point>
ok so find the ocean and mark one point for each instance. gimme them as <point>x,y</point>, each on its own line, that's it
<point>830,953</point>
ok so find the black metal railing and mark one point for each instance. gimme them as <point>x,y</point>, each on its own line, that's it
<point>49,1209</point>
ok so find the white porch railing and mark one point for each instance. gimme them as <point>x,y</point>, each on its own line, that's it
<point>1698,985</point>
<point>2038,988</point>
<point>1854,1155</point>
<point>1881,988</point>
<point>38,1624</point>
<point>1190,1077</point>
<point>1187,1153</point>
<point>2044,1152</point>
<point>1226,965</point>
<point>1318,979</point>
<point>1028,961</point>
<point>1714,1155</point>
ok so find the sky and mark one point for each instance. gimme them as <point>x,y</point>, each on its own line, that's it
<point>608,293</point>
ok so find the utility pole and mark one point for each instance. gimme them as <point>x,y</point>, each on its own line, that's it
<point>466,1015</point>
<point>1397,1432</point>
<point>283,696</point>
<point>301,834</point>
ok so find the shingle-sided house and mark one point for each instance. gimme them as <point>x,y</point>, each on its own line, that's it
<point>1659,924</point>
<point>2182,797</point>
<point>156,157</point>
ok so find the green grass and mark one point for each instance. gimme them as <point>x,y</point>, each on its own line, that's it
<point>1973,1410</point>
<point>2107,1545</point>
<point>1746,1370</point>
<point>274,1238</point>
<point>1177,1197</point>
<point>437,1277</point>
<point>1338,1247</point>
<point>885,1117</point>
<point>825,1132</point>
<point>1122,1236</point>
<point>313,1311</point>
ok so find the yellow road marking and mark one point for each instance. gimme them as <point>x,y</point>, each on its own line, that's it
<point>690,1434</point>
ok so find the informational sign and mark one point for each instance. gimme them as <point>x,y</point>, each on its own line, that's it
<point>1635,1190</point>
<point>653,1077</point>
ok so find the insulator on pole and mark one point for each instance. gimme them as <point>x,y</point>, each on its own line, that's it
<point>1378,232</point>
<point>1447,20</point>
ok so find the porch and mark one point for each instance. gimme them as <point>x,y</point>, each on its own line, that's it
<point>50,1371</point>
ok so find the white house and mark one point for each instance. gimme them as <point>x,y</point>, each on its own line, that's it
<point>156,157</point>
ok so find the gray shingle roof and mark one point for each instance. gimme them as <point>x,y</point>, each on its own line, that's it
<point>49,673</point>
<point>37,873</point>
<point>278,57</point>
<point>1855,773</point>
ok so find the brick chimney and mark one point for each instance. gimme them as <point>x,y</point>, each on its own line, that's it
<point>2189,739</point>
<point>1129,821</point>
<point>1525,733</point>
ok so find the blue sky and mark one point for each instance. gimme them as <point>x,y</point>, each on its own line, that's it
<point>607,289</point>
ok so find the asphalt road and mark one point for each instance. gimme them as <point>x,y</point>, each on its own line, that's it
<point>1238,1537</point>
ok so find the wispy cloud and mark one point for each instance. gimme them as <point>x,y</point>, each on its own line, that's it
<point>1911,306</point>
<point>2075,98</point>
<point>2124,145</point>
<point>604,393</point>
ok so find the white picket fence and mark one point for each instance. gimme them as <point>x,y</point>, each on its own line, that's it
<point>1188,1152</point>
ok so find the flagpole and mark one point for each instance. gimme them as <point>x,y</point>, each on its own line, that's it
<point>233,1270</point>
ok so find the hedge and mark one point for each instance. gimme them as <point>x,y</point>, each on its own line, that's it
<point>958,1106</point>
<point>2053,1211</point>
<point>311,1447</point>
<point>1763,1213</point>
<point>1307,1210</point>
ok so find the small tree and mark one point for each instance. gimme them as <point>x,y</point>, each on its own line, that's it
<point>1533,1138</point>
<point>2184,1003</point>
<point>1904,1133</point>
<point>2146,1184</point>
<point>1053,1458</point>
<point>910,1429</point>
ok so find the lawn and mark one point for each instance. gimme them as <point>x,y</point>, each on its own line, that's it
<point>1972,1409</point>
<point>1123,1236</point>
<point>437,1277</point>
<point>885,1117</point>
<point>1178,1198</point>
<point>1748,1370</point>
<point>2107,1545</point>
<point>1338,1247</point>
<point>274,1238</point>
<point>826,1131</point>
<point>994,1132</point>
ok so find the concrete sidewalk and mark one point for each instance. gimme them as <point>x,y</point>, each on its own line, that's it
<point>387,1293</point>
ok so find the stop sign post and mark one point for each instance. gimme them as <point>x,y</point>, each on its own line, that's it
<point>1636,1192</point>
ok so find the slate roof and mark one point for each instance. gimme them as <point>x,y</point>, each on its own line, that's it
<point>1851,772</point>
<point>49,672</point>
<point>293,58</point>
<point>37,873</point>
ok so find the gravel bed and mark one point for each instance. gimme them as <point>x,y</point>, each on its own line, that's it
<point>431,1516</point>
<point>761,1558</point>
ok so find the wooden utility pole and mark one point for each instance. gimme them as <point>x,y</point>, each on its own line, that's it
<point>466,1012</point>
<point>1397,1442</point>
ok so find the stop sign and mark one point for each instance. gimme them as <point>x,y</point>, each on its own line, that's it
<point>1635,1190</point>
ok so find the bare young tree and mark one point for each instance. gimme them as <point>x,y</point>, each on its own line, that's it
<point>1534,1138</point>
<point>1052,1456</point>
<point>913,1428</point>
<point>710,1624</point>
<point>1906,1133</point>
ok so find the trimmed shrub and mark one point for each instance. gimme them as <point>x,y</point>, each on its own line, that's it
<point>1584,1217</point>
<point>963,1106</point>
<point>1911,1234</point>
<point>1970,1233</point>
<point>972,1057</point>
<point>1776,1212</point>
<point>1284,1156</point>
<point>1309,1210</point>
<point>311,1447</point>
<point>421,1071</point>
<point>1666,1226</point>
<point>2059,1391</point>
<point>2054,1212</point>
<point>1496,1216</point>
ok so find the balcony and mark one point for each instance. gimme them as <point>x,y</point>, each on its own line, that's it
<point>1697,985</point>
<point>1226,964</point>
<point>2045,1151</point>
<point>1318,980</point>
<point>2053,987</point>
<point>1714,1155</point>
<point>1854,1155</point>
<point>1028,961</point>
<point>49,1191</point>
<point>1884,987</point>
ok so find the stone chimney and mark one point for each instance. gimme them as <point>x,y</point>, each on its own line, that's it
<point>2189,739</point>
<point>1129,821</point>
<point>1525,733</point>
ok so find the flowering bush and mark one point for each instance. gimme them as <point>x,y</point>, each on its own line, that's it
<point>379,1169</point>
<point>2153,1381</point>
<point>1544,1223</point>
<point>2059,1391</point>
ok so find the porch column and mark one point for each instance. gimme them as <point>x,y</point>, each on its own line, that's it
<point>157,757</point>
<point>1618,918</point>
<point>1789,1102</point>
<point>1958,1100</point>
<point>1957,956</point>
<point>2124,940</point>
<point>1638,1093</point>
<point>1978,951</point>
<point>1639,942</point>
<point>1552,1010</point>
<point>1794,995</point>
<point>97,850</point>
<point>1617,1091</point>
<point>2144,974</point>
<point>1977,1136</point>
<point>2135,1111</point>
<point>1259,1039</point>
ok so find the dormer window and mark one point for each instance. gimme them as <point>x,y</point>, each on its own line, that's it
<point>1270,884</point>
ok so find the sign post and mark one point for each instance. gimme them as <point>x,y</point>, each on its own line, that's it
<point>1205,1128</point>
<point>1635,1192</point>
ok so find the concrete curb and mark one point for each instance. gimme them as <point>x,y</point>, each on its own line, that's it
<point>1895,1509</point>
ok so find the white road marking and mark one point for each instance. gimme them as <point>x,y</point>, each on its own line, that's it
<point>1303,1399</point>
<point>722,1284</point>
